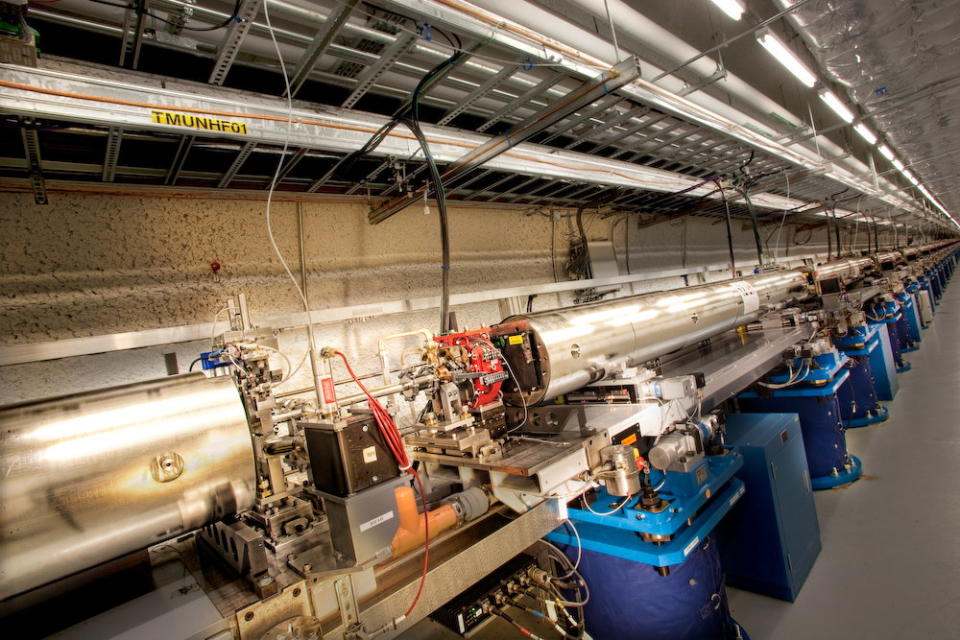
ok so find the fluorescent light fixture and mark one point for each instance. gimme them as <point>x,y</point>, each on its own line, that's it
<point>834,103</point>
<point>786,57</point>
<point>732,8</point>
<point>886,152</point>
<point>899,165</point>
<point>865,133</point>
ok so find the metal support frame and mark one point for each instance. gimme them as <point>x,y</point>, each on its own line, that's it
<point>82,97</point>
<point>525,97</point>
<point>581,117</point>
<point>527,41</point>
<point>589,92</point>
<point>112,154</point>
<point>31,148</point>
<point>230,46</point>
<point>448,576</point>
<point>179,158</point>
<point>289,165</point>
<point>237,163</point>
<point>319,45</point>
<point>369,76</point>
<point>481,90</point>
<point>132,40</point>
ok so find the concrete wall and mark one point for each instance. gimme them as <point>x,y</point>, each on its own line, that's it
<point>91,264</point>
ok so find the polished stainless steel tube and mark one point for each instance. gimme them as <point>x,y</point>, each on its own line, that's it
<point>91,477</point>
<point>575,346</point>
<point>846,269</point>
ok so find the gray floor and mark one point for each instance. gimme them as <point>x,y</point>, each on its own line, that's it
<point>890,565</point>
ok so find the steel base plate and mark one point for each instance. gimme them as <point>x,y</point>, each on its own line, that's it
<point>847,477</point>
<point>880,415</point>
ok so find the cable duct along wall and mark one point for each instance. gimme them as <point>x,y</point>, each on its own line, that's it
<point>899,61</point>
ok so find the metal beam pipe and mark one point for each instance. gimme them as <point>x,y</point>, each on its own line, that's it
<point>94,476</point>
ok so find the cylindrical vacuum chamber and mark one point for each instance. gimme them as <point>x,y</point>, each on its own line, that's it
<point>90,477</point>
<point>555,352</point>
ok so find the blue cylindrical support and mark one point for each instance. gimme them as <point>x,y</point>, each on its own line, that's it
<point>820,421</point>
<point>859,405</point>
<point>935,285</point>
<point>903,332</point>
<point>632,601</point>
<point>894,333</point>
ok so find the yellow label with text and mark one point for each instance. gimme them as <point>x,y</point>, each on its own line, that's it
<point>193,121</point>
<point>516,339</point>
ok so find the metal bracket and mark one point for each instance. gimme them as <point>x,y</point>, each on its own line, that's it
<point>235,166</point>
<point>478,93</point>
<point>588,93</point>
<point>132,36</point>
<point>31,148</point>
<point>230,46</point>
<point>186,142</point>
<point>112,154</point>
<point>289,165</point>
<point>320,43</point>
<point>370,75</point>
<point>347,600</point>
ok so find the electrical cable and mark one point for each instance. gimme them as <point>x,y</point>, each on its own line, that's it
<point>501,614</point>
<point>523,400</point>
<point>753,223</point>
<point>192,364</point>
<point>391,436</point>
<point>267,211</point>
<point>441,199</point>
<point>412,122</point>
<point>606,513</point>
<point>213,327</point>
<point>296,370</point>
<point>139,8</point>
<point>726,206</point>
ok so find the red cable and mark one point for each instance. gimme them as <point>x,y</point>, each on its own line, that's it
<point>391,436</point>
<point>426,545</point>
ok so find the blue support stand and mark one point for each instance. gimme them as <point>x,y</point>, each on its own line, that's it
<point>859,402</point>
<point>630,601</point>
<point>904,332</point>
<point>914,323</point>
<point>888,314</point>
<point>820,418</point>
<point>619,558</point>
<point>688,519</point>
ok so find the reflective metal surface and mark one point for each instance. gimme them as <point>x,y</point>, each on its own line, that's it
<point>94,476</point>
<point>579,345</point>
<point>847,269</point>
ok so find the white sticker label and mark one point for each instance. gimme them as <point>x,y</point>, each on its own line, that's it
<point>369,524</point>
<point>736,496</point>
<point>690,547</point>
<point>749,295</point>
<point>370,455</point>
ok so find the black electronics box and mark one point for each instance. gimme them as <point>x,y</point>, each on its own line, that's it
<point>465,612</point>
<point>348,456</point>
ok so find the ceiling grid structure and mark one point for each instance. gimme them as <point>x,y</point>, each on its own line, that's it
<point>625,150</point>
